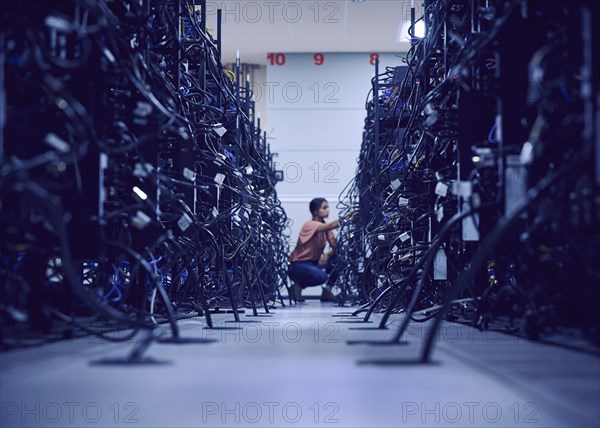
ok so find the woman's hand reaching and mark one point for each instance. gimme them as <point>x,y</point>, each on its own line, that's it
<point>349,217</point>
<point>324,258</point>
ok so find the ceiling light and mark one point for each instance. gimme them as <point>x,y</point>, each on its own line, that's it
<point>419,30</point>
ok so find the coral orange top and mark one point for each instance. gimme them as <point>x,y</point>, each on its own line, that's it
<point>311,243</point>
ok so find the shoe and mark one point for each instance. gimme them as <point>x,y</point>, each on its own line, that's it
<point>296,291</point>
<point>328,296</point>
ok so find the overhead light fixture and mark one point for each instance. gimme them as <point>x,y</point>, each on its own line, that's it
<point>419,30</point>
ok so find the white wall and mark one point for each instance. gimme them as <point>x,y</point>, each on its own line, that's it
<point>315,117</point>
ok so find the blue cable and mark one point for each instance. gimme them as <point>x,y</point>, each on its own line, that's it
<point>491,137</point>
<point>115,287</point>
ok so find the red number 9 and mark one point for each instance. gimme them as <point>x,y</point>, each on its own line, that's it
<point>319,58</point>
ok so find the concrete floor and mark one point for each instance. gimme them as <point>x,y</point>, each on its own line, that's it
<point>295,369</point>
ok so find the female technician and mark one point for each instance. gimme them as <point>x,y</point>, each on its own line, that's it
<point>309,266</point>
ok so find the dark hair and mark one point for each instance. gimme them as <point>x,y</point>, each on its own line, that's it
<point>315,205</point>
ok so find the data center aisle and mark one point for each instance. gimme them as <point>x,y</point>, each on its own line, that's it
<point>297,369</point>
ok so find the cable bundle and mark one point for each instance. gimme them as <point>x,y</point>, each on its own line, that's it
<point>137,185</point>
<point>475,187</point>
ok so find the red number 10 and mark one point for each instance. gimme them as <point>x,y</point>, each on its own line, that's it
<point>276,59</point>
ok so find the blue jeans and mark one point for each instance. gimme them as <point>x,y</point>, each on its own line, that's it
<point>308,273</point>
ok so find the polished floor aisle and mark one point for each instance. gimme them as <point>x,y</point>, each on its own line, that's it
<point>296,369</point>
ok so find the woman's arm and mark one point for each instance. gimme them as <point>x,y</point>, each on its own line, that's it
<point>328,226</point>
<point>333,243</point>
